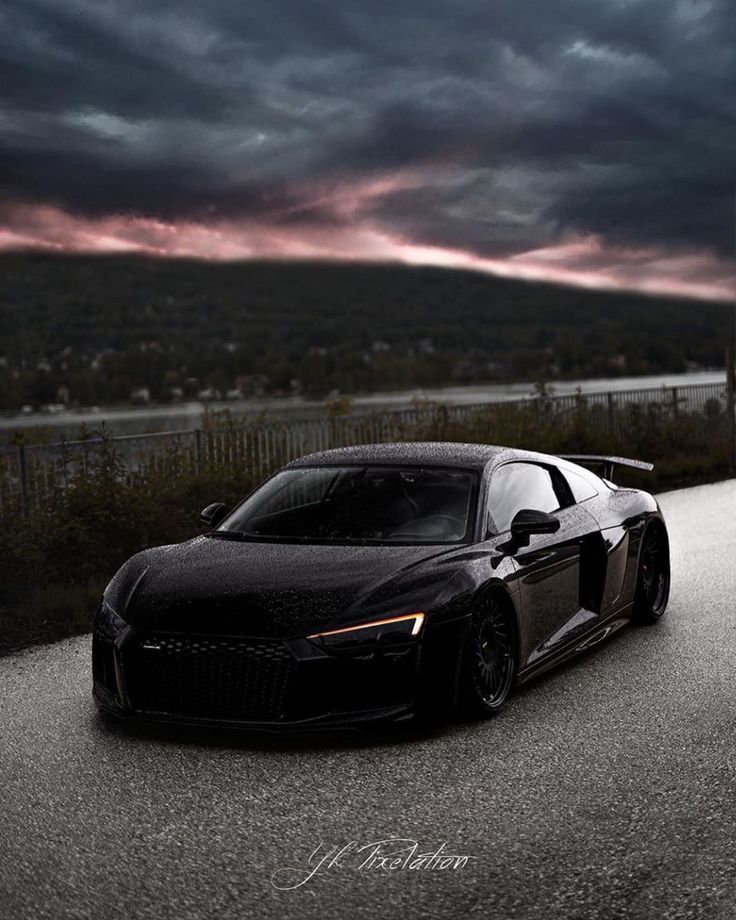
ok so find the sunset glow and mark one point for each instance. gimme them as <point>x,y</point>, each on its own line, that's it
<point>583,261</point>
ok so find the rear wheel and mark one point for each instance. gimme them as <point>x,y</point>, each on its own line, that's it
<point>489,658</point>
<point>653,577</point>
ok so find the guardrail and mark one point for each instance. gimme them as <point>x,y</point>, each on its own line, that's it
<point>29,472</point>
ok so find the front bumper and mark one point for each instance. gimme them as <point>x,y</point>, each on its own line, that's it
<point>254,684</point>
<point>331,721</point>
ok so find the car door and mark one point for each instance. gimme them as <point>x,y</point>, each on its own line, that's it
<point>549,566</point>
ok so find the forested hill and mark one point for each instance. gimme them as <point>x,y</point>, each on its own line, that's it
<point>91,329</point>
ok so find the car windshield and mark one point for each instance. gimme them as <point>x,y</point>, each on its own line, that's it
<point>358,504</point>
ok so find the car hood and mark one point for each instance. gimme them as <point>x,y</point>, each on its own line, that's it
<point>226,587</point>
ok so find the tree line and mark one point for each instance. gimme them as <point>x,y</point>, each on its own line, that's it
<point>92,330</point>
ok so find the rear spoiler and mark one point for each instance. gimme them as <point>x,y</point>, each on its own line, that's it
<point>609,464</point>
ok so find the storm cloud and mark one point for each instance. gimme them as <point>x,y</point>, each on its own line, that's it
<point>507,133</point>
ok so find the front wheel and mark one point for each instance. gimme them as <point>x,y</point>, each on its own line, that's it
<point>652,578</point>
<point>488,662</point>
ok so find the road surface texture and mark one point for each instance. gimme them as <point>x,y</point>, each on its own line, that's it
<point>604,790</point>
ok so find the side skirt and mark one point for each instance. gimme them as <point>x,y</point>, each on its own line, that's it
<point>600,632</point>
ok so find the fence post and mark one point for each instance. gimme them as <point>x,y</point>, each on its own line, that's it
<point>675,405</point>
<point>611,414</point>
<point>23,470</point>
<point>198,449</point>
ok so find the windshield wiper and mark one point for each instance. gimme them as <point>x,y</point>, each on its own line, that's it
<point>244,537</point>
<point>227,535</point>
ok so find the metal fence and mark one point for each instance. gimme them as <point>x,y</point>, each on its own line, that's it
<point>29,472</point>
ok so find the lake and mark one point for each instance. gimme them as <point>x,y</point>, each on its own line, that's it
<point>188,415</point>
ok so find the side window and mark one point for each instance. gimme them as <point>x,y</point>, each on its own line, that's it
<point>515,486</point>
<point>580,486</point>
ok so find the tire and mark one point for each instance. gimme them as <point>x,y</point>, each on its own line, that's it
<point>652,577</point>
<point>488,663</point>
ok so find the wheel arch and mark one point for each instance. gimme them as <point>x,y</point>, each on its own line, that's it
<point>655,522</point>
<point>499,591</point>
<point>641,613</point>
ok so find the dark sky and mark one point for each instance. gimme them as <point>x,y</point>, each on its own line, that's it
<point>590,140</point>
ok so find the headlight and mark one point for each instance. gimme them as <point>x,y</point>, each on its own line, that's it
<point>390,629</point>
<point>108,621</point>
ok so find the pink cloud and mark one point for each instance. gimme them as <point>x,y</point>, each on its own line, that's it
<point>583,261</point>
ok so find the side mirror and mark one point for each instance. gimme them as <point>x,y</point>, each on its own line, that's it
<point>213,514</point>
<point>528,522</point>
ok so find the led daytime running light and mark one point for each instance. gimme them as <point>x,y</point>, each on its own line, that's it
<point>417,617</point>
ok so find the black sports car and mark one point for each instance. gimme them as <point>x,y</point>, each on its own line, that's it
<point>381,582</point>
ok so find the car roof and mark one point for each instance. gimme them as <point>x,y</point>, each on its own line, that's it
<point>420,453</point>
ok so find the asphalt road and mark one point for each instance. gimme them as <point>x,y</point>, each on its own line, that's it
<point>604,790</point>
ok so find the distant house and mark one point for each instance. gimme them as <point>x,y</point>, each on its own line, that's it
<point>140,396</point>
<point>209,394</point>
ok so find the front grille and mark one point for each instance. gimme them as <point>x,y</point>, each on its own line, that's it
<point>208,677</point>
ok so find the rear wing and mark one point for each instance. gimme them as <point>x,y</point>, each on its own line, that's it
<point>609,464</point>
